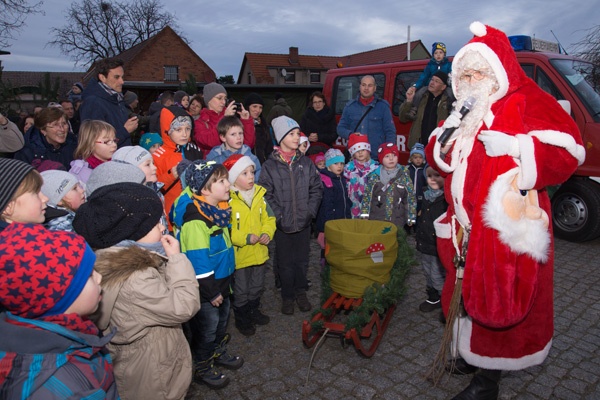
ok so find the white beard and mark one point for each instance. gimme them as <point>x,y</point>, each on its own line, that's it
<point>480,91</point>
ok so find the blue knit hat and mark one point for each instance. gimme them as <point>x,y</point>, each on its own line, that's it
<point>197,174</point>
<point>438,46</point>
<point>150,139</point>
<point>418,148</point>
<point>334,156</point>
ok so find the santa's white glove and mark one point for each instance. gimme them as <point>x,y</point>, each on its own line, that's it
<point>453,120</point>
<point>499,144</point>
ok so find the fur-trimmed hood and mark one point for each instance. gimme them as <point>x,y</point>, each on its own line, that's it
<point>116,265</point>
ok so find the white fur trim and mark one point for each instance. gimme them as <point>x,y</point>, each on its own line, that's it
<point>561,139</point>
<point>478,29</point>
<point>358,147</point>
<point>463,328</point>
<point>442,230</point>
<point>491,58</point>
<point>525,236</point>
<point>239,167</point>
<point>528,173</point>
<point>460,159</point>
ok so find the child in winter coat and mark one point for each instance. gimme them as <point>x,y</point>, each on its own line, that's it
<point>96,144</point>
<point>335,204</point>
<point>294,192</point>
<point>438,62</point>
<point>65,196</point>
<point>176,127</point>
<point>231,134</point>
<point>49,349</point>
<point>151,142</point>
<point>205,239</point>
<point>252,227</point>
<point>357,170</point>
<point>416,169</point>
<point>149,289</point>
<point>434,205</point>
<point>389,194</point>
<point>21,198</point>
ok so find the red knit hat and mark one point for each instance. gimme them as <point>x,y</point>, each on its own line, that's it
<point>357,142</point>
<point>235,164</point>
<point>42,272</point>
<point>385,149</point>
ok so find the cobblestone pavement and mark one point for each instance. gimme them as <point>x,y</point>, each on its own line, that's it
<point>277,362</point>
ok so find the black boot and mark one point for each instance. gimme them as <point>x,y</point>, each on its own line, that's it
<point>433,301</point>
<point>256,316</point>
<point>243,321</point>
<point>205,372</point>
<point>483,386</point>
<point>225,359</point>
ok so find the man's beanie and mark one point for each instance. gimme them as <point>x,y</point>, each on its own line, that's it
<point>197,174</point>
<point>438,46</point>
<point>253,98</point>
<point>150,139</point>
<point>129,97</point>
<point>117,212</point>
<point>418,148</point>
<point>282,126</point>
<point>385,149</point>
<point>443,77</point>
<point>42,272</point>
<point>57,184</point>
<point>134,155</point>
<point>113,172</point>
<point>211,90</point>
<point>358,142</point>
<point>179,95</point>
<point>333,156</point>
<point>236,164</point>
<point>12,173</point>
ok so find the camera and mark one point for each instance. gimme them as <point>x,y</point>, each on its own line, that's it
<point>237,106</point>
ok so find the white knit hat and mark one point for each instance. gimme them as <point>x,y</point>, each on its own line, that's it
<point>57,184</point>
<point>282,126</point>
<point>134,155</point>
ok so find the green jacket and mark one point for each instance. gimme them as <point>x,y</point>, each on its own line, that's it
<point>415,130</point>
<point>246,220</point>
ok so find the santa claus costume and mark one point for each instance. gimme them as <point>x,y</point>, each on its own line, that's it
<point>496,176</point>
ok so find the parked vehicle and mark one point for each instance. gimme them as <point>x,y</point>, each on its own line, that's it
<point>572,81</point>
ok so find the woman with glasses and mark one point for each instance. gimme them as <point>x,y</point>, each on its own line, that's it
<point>49,139</point>
<point>318,123</point>
<point>97,144</point>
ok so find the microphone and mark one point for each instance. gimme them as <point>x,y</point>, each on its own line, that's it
<point>467,105</point>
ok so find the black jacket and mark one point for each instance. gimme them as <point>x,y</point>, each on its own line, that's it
<point>321,122</point>
<point>37,148</point>
<point>426,237</point>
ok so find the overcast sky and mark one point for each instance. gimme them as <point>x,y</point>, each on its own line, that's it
<point>222,31</point>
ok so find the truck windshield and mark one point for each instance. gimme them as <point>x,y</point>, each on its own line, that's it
<point>584,79</point>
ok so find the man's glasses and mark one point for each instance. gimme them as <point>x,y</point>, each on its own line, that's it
<point>473,73</point>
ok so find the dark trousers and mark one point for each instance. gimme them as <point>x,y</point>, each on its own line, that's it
<point>292,261</point>
<point>209,327</point>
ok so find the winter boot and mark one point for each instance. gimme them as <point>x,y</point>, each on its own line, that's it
<point>224,359</point>
<point>303,303</point>
<point>483,386</point>
<point>256,316</point>
<point>206,373</point>
<point>243,321</point>
<point>433,301</point>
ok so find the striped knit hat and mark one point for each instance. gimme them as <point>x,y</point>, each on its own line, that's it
<point>12,173</point>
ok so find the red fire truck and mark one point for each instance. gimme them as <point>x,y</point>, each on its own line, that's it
<point>576,203</point>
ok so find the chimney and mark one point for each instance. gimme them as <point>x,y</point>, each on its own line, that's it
<point>293,55</point>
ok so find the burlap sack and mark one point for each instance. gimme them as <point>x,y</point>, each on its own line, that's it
<point>360,252</point>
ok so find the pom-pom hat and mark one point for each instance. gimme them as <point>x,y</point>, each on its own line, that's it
<point>42,272</point>
<point>117,212</point>
<point>357,142</point>
<point>385,149</point>
<point>236,164</point>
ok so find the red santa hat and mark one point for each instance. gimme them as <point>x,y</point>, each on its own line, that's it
<point>495,47</point>
<point>304,138</point>
<point>357,142</point>
<point>236,164</point>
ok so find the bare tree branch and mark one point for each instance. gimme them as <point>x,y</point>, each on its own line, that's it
<point>96,29</point>
<point>12,18</point>
<point>588,48</point>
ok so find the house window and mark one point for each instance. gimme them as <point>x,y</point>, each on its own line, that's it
<point>315,77</point>
<point>171,73</point>
<point>290,77</point>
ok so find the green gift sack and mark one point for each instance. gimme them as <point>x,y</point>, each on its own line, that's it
<point>360,253</point>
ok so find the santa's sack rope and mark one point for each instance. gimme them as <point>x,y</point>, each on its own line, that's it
<point>456,308</point>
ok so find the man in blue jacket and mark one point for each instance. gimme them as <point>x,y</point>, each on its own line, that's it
<point>103,99</point>
<point>377,124</point>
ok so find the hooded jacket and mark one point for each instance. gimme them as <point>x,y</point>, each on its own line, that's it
<point>294,191</point>
<point>147,297</point>
<point>52,362</point>
<point>99,104</point>
<point>37,148</point>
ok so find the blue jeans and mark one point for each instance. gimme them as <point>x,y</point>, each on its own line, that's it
<point>209,327</point>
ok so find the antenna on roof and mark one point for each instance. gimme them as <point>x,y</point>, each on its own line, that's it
<point>558,41</point>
